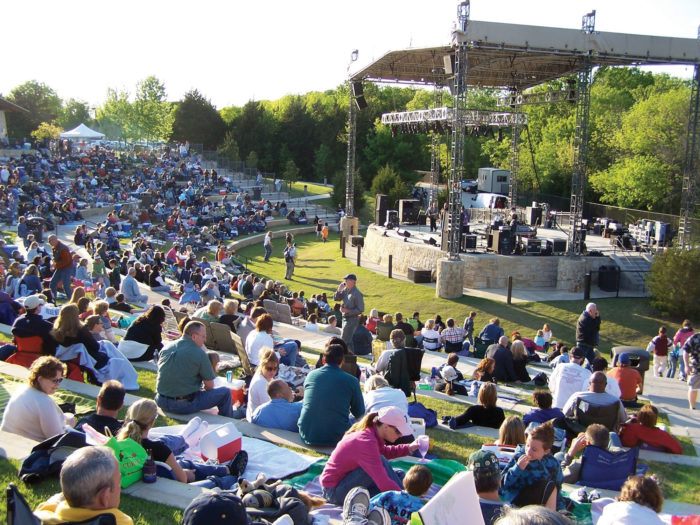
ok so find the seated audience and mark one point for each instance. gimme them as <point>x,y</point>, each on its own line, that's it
<point>230,315</point>
<point>451,386</point>
<point>640,501</point>
<point>31,324</point>
<point>505,368</point>
<point>361,457</point>
<point>329,393</point>
<point>90,486</point>
<point>130,288</point>
<point>31,412</point>
<point>110,400</point>
<point>487,478</point>
<point>332,326</point>
<point>264,373</point>
<point>362,338</point>
<point>596,435</point>
<point>492,332</point>
<point>600,364</point>
<point>485,414</point>
<point>399,505</point>
<point>147,329</point>
<point>595,396</point>
<point>533,476</point>
<point>312,324</point>
<point>544,411</point>
<point>372,320</point>
<point>431,337</point>
<point>398,341</point>
<point>642,430</point>
<point>517,349</point>
<point>379,394</point>
<point>259,338</point>
<point>281,411</point>
<point>512,432</point>
<point>68,331</point>
<point>484,370</point>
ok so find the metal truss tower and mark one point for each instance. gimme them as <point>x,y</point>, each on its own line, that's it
<point>435,153</point>
<point>457,155</point>
<point>350,164</point>
<point>578,181</point>
<point>514,156</point>
<point>691,168</point>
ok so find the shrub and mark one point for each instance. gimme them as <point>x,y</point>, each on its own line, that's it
<point>673,283</point>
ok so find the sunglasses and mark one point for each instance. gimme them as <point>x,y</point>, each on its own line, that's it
<point>271,368</point>
<point>57,381</point>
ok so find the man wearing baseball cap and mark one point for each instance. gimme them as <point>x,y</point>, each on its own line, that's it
<point>569,378</point>
<point>353,305</point>
<point>487,478</point>
<point>29,325</point>
<point>361,457</point>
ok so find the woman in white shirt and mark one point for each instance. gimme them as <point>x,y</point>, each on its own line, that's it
<point>30,412</point>
<point>378,394</point>
<point>311,325</point>
<point>640,501</point>
<point>259,338</point>
<point>431,337</point>
<point>266,372</point>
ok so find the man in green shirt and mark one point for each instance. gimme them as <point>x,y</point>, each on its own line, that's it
<point>182,368</point>
<point>330,394</point>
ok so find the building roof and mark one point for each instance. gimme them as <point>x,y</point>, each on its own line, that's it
<point>6,105</point>
<point>520,56</point>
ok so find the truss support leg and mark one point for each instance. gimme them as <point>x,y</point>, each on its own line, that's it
<point>691,169</point>
<point>514,162</point>
<point>350,164</point>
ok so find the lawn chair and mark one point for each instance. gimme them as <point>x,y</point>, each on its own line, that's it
<point>607,415</point>
<point>240,351</point>
<point>403,370</point>
<point>384,330</point>
<point>179,316</point>
<point>350,364</point>
<point>271,308</point>
<point>29,349</point>
<point>603,469</point>
<point>284,313</point>
<point>222,335</point>
<point>479,348</point>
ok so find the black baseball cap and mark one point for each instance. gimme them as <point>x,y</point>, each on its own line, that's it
<point>215,508</point>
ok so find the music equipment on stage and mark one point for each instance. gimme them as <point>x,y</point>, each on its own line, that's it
<point>381,204</point>
<point>533,216</point>
<point>418,276</point>
<point>408,211</point>
<point>392,219</point>
<point>556,246</point>
<point>357,240</point>
<point>531,246</point>
<point>500,242</point>
<point>468,242</point>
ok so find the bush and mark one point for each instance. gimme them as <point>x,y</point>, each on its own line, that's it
<point>674,285</point>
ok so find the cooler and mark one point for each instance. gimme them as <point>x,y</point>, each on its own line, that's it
<point>237,391</point>
<point>221,444</point>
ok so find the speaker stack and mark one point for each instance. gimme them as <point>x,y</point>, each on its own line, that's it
<point>381,205</point>
<point>408,211</point>
<point>359,93</point>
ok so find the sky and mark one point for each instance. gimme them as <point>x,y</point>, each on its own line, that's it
<point>234,51</point>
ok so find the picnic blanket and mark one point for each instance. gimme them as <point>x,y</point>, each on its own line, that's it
<point>274,461</point>
<point>441,469</point>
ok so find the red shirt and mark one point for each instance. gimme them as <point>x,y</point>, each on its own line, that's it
<point>634,434</point>
<point>628,379</point>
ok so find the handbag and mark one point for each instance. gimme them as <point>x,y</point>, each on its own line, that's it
<point>131,457</point>
<point>132,349</point>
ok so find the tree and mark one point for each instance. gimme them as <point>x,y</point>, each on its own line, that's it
<point>196,119</point>
<point>153,113</point>
<point>673,284</point>
<point>73,113</point>
<point>291,173</point>
<point>46,131</point>
<point>229,147</point>
<point>323,162</point>
<point>41,102</point>
<point>116,116</point>
<point>251,161</point>
<point>388,182</point>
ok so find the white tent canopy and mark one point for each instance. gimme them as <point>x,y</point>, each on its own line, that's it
<point>82,132</point>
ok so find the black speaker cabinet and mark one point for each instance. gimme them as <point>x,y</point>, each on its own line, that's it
<point>392,219</point>
<point>418,276</point>
<point>381,205</point>
<point>557,246</point>
<point>357,240</point>
<point>533,216</point>
<point>408,211</point>
<point>500,242</point>
<point>468,242</point>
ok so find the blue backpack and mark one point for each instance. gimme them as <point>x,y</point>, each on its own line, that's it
<point>416,409</point>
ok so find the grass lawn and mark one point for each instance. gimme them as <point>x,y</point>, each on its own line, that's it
<point>320,268</point>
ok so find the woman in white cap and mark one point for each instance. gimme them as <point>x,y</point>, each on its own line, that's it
<point>361,457</point>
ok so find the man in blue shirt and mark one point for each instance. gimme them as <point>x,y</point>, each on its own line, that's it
<point>280,411</point>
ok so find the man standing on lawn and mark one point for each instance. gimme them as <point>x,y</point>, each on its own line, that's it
<point>353,305</point>
<point>63,264</point>
<point>587,330</point>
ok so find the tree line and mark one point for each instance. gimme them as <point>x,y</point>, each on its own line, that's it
<point>638,133</point>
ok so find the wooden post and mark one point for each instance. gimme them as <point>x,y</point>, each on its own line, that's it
<point>510,289</point>
<point>391,261</point>
<point>359,251</point>
<point>587,286</point>
<point>342,245</point>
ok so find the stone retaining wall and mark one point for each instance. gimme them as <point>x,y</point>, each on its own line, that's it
<point>483,270</point>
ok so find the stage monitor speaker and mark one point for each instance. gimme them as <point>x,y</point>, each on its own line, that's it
<point>557,246</point>
<point>406,233</point>
<point>468,242</point>
<point>501,242</point>
<point>357,240</point>
<point>380,207</point>
<point>392,219</point>
<point>533,216</point>
<point>408,211</point>
<point>418,276</point>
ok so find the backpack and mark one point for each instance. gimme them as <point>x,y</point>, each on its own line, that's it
<point>48,456</point>
<point>416,409</point>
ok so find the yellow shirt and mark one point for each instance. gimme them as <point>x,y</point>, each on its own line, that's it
<point>51,513</point>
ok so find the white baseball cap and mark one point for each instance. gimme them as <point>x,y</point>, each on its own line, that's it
<point>395,417</point>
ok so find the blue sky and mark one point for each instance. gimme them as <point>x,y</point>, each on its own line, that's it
<point>236,50</point>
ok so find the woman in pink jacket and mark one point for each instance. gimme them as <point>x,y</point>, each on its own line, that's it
<point>361,457</point>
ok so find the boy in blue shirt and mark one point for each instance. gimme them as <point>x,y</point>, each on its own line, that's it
<point>401,504</point>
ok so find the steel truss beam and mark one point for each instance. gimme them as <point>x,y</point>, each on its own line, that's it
<point>691,169</point>
<point>468,117</point>
<point>578,180</point>
<point>435,153</point>
<point>350,164</point>
<point>514,156</point>
<point>545,97</point>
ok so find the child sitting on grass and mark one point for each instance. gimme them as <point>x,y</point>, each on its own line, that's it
<point>534,476</point>
<point>401,504</point>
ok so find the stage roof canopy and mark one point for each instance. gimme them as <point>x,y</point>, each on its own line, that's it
<point>520,56</point>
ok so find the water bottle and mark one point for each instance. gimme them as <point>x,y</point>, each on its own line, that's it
<point>432,383</point>
<point>363,375</point>
<point>149,469</point>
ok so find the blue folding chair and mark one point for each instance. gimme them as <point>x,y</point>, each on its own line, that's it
<point>603,469</point>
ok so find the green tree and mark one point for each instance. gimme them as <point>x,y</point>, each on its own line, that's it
<point>290,173</point>
<point>73,113</point>
<point>229,147</point>
<point>673,284</point>
<point>389,182</point>
<point>41,102</point>
<point>251,161</point>
<point>116,116</point>
<point>323,162</point>
<point>196,119</point>
<point>153,113</point>
<point>339,188</point>
<point>46,131</point>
